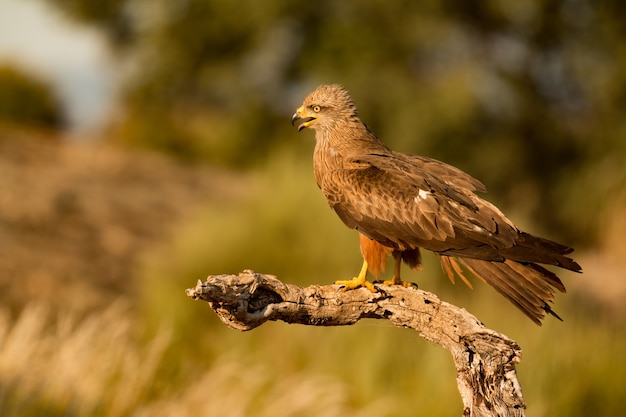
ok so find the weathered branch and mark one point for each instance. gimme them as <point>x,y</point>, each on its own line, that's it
<point>484,359</point>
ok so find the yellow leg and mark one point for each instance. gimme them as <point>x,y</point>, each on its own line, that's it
<point>359,281</point>
<point>395,280</point>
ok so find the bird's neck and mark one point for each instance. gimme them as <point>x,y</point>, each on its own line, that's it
<point>339,145</point>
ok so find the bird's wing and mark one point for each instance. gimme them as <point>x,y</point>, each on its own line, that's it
<point>434,169</point>
<point>407,201</point>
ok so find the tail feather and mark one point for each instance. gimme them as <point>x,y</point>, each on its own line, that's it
<point>529,248</point>
<point>549,276</point>
<point>528,286</point>
<point>508,284</point>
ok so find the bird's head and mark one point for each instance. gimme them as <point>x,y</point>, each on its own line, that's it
<point>324,107</point>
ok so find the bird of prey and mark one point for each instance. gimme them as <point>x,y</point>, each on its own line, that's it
<point>400,203</point>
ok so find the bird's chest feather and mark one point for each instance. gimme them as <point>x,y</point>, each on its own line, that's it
<point>326,160</point>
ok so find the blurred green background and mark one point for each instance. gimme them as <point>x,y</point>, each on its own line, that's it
<point>194,169</point>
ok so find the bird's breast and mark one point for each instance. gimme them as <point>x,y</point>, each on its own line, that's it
<point>326,159</point>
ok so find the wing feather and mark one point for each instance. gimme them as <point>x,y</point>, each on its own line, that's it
<point>396,199</point>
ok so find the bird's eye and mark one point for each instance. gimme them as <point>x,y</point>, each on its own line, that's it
<point>317,109</point>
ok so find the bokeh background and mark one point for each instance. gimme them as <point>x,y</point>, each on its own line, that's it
<point>145,144</point>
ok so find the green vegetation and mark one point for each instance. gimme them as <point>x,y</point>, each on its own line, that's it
<point>25,100</point>
<point>527,97</point>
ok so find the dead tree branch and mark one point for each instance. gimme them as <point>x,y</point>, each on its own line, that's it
<point>484,359</point>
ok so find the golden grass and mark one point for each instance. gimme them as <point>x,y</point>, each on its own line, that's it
<point>56,364</point>
<point>238,386</point>
<point>89,366</point>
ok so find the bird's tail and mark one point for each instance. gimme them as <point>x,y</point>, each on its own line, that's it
<point>530,287</point>
<point>529,248</point>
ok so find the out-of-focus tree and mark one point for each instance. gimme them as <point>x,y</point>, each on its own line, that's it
<point>114,17</point>
<point>527,96</point>
<point>25,100</point>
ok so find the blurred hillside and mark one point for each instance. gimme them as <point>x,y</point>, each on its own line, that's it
<point>74,219</point>
<point>201,173</point>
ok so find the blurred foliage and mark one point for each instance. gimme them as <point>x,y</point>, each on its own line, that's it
<point>114,17</point>
<point>527,98</point>
<point>25,100</point>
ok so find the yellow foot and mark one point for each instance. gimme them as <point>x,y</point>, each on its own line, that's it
<point>356,282</point>
<point>398,281</point>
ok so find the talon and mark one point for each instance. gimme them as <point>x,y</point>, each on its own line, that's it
<point>358,281</point>
<point>396,280</point>
<point>355,283</point>
<point>406,284</point>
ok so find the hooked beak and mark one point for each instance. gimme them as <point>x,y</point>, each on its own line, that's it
<point>304,121</point>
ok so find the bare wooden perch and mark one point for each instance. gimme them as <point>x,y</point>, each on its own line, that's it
<point>484,359</point>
